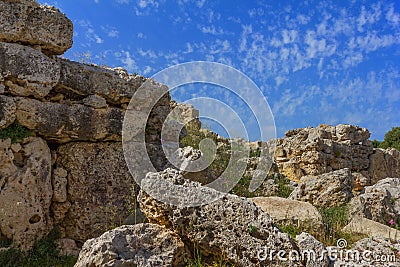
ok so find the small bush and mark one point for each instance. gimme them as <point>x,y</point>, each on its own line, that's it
<point>392,139</point>
<point>335,219</point>
<point>283,189</point>
<point>15,132</point>
<point>45,253</point>
<point>291,230</point>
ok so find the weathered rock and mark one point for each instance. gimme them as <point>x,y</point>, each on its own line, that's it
<point>141,245</point>
<point>60,185</point>
<point>7,111</point>
<point>25,192</point>
<point>376,252</point>
<point>286,211</point>
<point>63,123</point>
<point>68,247</point>
<point>368,228</point>
<point>95,101</point>
<point>230,226</point>
<point>192,164</point>
<point>325,190</point>
<point>314,151</point>
<point>39,26</point>
<point>26,71</point>
<point>187,113</point>
<point>59,210</point>
<point>99,188</point>
<point>313,250</point>
<point>380,202</point>
<point>85,80</point>
<point>384,163</point>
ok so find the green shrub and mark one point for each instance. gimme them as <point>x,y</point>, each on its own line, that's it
<point>283,189</point>
<point>45,253</point>
<point>335,219</point>
<point>15,132</point>
<point>392,139</point>
<point>291,230</point>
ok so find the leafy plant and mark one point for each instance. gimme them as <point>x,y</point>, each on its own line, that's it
<point>15,132</point>
<point>290,229</point>
<point>283,189</point>
<point>252,229</point>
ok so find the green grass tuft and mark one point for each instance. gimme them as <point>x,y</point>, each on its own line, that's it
<point>15,132</point>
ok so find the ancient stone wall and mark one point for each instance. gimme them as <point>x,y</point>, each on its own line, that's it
<point>315,151</point>
<point>71,172</point>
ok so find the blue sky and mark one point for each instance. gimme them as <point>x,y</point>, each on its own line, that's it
<point>315,61</point>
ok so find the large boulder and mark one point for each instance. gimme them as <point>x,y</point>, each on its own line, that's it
<point>141,245</point>
<point>26,71</point>
<point>287,211</point>
<point>39,26</point>
<point>85,80</point>
<point>366,227</point>
<point>384,163</point>
<point>63,122</point>
<point>25,191</point>
<point>380,202</point>
<point>325,190</point>
<point>100,189</point>
<point>230,226</point>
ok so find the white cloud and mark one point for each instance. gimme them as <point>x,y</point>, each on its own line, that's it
<point>123,1</point>
<point>393,17</point>
<point>211,30</point>
<point>147,53</point>
<point>128,61</point>
<point>148,3</point>
<point>200,3</point>
<point>289,36</point>
<point>141,35</point>
<point>113,33</point>
<point>147,70</point>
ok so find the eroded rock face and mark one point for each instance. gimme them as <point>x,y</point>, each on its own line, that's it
<point>314,151</point>
<point>192,164</point>
<point>63,123</point>
<point>43,27</point>
<point>325,190</point>
<point>7,111</point>
<point>380,202</point>
<point>99,188</point>
<point>384,163</point>
<point>286,211</point>
<point>140,245</point>
<point>26,71</point>
<point>307,243</point>
<point>87,80</point>
<point>25,191</point>
<point>231,226</point>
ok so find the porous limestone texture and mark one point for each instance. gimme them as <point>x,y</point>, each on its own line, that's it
<point>231,226</point>
<point>140,245</point>
<point>25,191</point>
<point>26,22</point>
